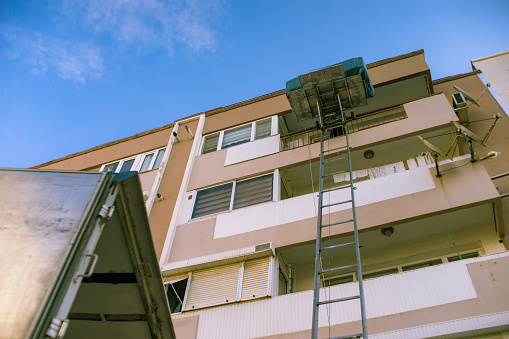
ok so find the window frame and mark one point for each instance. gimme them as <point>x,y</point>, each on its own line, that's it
<point>253,124</point>
<point>275,193</point>
<point>138,161</point>
<point>176,280</point>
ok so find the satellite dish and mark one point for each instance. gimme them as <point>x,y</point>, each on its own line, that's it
<point>466,95</point>
<point>432,147</point>
<point>469,97</point>
<point>465,132</point>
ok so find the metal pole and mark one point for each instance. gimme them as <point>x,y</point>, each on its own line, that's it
<point>318,255</point>
<point>356,236</point>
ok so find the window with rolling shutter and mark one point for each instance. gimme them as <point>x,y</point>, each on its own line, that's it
<point>212,200</point>
<point>210,143</point>
<point>263,128</point>
<point>236,136</point>
<point>255,282</point>
<point>213,286</point>
<point>246,193</point>
<point>253,191</point>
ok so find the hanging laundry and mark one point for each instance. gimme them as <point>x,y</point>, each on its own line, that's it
<point>421,161</point>
<point>361,173</point>
<point>340,177</point>
<point>374,173</point>
<point>412,164</point>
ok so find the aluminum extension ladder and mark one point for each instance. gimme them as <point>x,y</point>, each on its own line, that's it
<point>320,227</point>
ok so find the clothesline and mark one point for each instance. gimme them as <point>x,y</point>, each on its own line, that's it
<point>384,170</point>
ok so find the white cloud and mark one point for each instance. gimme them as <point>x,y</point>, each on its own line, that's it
<point>151,23</point>
<point>77,61</point>
<point>71,49</point>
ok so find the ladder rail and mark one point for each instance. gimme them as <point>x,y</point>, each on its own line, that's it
<point>318,252</point>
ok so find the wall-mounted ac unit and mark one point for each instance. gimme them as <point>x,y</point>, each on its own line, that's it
<point>460,107</point>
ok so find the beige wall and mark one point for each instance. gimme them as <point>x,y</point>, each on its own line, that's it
<point>196,238</point>
<point>423,115</point>
<point>161,213</point>
<point>496,70</point>
<point>499,139</point>
<point>403,68</point>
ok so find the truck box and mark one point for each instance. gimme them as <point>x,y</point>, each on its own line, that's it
<point>77,258</point>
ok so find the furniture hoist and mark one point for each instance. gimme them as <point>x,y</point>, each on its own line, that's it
<point>325,95</point>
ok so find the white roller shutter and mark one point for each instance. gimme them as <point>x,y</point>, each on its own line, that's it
<point>213,286</point>
<point>256,279</point>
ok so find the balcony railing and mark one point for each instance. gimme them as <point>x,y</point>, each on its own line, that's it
<point>387,295</point>
<point>364,121</point>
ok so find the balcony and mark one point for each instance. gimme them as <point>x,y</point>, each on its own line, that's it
<point>455,292</point>
<point>364,121</point>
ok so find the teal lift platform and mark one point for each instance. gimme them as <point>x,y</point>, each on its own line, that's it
<point>324,93</point>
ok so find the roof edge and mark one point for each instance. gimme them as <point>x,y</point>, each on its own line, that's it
<point>455,77</point>
<point>396,58</point>
<point>108,144</point>
<point>244,103</point>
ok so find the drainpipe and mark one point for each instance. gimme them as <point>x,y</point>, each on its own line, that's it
<point>183,189</point>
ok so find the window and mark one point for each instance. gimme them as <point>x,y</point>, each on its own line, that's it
<point>176,291</point>
<point>463,256</point>
<point>337,280</point>
<point>224,284</point>
<point>380,273</point>
<point>233,195</point>
<point>141,162</point>
<point>238,135</point>
<point>212,200</point>
<point>422,265</point>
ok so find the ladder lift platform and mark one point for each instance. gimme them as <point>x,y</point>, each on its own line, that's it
<point>323,95</point>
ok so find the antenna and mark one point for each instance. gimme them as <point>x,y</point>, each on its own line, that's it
<point>470,136</point>
<point>436,152</point>
<point>469,97</point>
<point>467,134</point>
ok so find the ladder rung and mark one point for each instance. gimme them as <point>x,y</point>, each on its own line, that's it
<point>337,223</point>
<point>337,268</point>
<point>328,175</point>
<point>337,203</point>
<point>352,336</point>
<point>339,300</point>
<point>335,149</point>
<point>336,188</point>
<point>338,245</point>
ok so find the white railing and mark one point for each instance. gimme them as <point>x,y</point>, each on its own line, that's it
<point>274,213</point>
<point>392,294</point>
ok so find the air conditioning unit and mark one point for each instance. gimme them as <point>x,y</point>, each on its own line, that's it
<point>460,107</point>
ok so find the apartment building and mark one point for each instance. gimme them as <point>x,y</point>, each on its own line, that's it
<point>232,200</point>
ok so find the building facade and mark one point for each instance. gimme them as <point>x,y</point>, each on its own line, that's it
<point>232,200</point>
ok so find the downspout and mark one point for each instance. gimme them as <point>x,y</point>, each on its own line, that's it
<point>183,188</point>
<point>160,172</point>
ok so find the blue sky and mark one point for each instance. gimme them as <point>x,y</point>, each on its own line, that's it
<point>77,74</point>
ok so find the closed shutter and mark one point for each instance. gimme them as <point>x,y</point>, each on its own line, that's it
<point>236,136</point>
<point>253,191</point>
<point>256,279</point>
<point>263,128</point>
<point>212,200</point>
<point>213,286</point>
<point>210,143</point>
